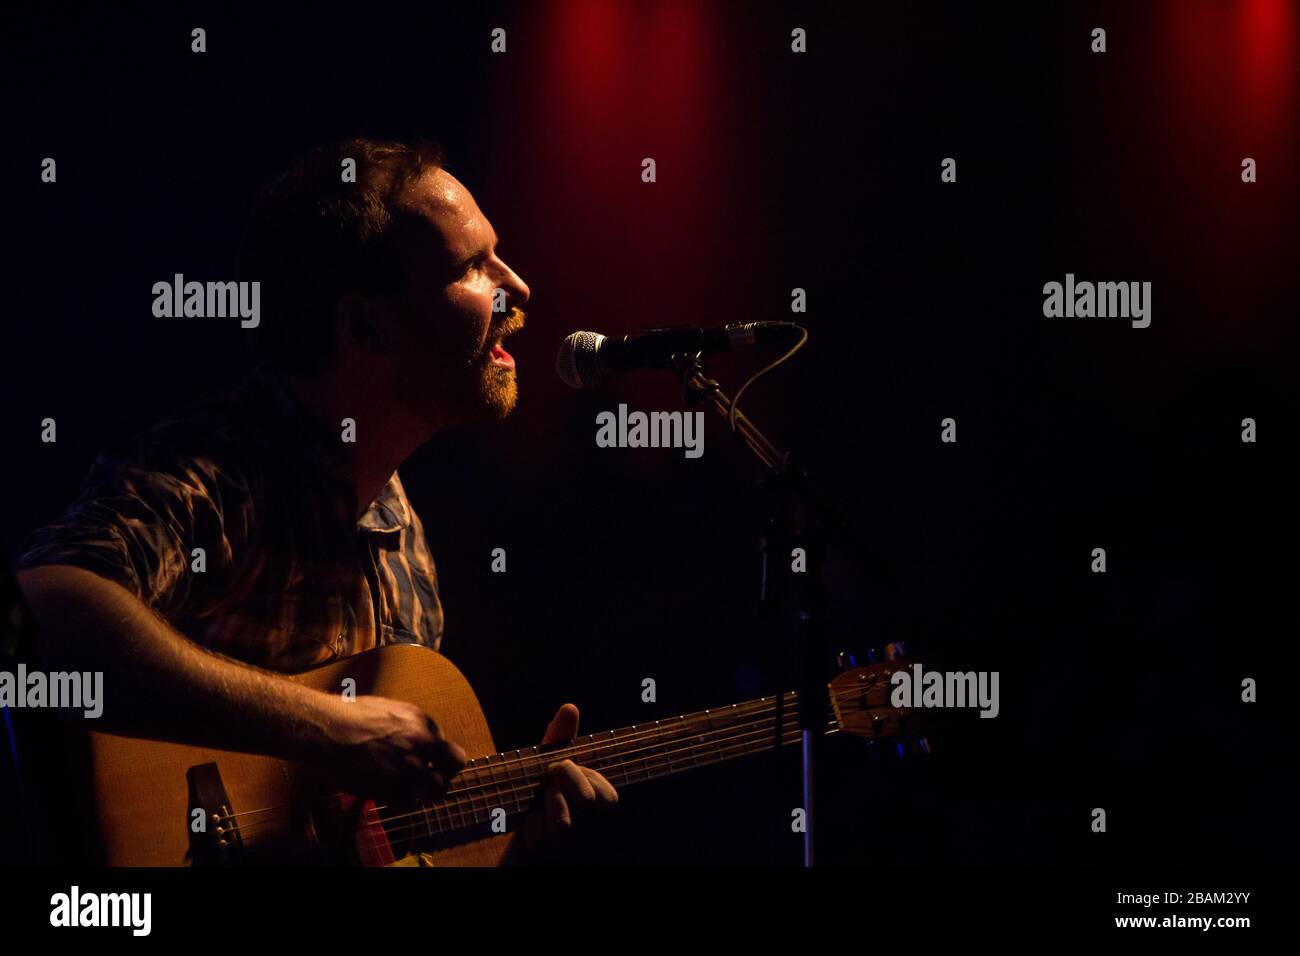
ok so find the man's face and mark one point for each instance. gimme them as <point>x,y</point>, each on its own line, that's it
<point>449,365</point>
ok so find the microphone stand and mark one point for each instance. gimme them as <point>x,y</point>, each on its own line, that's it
<point>797,515</point>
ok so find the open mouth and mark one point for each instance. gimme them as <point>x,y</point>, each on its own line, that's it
<point>497,354</point>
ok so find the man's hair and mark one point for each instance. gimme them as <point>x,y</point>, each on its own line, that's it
<point>314,237</point>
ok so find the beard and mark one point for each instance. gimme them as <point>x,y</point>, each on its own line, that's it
<point>500,389</point>
<point>498,392</point>
<point>467,395</point>
<point>464,390</point>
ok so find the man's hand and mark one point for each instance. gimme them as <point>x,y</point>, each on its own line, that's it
<point>571,791</point>
<point>389,749</point>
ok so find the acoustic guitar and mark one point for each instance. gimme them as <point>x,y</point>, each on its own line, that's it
<point>164,804</point>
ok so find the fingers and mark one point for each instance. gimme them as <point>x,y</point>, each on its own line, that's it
<point>606,795</point>
<point>439,760</point>
<point>450,754</point>
<point>392,749</point>
<point>574,790</point>
<point>568,778</point>
<point>558,817</point>
<point>563,726</point>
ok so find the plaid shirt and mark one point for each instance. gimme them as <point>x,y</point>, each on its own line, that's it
<point>293,578</point>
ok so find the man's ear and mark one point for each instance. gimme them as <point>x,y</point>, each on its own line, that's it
<point>360,325</point>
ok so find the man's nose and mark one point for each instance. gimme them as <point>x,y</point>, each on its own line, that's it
<point>514,285</point>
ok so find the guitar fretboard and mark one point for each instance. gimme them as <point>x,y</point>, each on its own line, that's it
<point>510,781</point>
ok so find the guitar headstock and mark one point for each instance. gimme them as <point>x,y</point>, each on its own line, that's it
<point>860,701</point>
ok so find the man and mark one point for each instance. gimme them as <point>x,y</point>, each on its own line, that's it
<point>386,305</point>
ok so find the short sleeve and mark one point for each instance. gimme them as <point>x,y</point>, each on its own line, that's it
<point>138,519</point>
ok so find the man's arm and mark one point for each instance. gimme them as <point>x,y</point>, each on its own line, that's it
<point>159,684</point>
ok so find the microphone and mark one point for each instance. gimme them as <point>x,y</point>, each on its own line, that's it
<point>589,359</point>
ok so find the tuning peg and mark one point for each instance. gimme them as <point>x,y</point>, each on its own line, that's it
<point>895,651</point>
<point>845,661</point>
<point>871,655</point>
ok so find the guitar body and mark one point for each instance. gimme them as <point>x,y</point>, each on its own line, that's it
<point>143,804</point>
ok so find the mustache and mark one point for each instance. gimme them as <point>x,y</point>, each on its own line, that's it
<point>511,324</point>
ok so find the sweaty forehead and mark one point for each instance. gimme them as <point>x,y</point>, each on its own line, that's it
<point>446,204</point>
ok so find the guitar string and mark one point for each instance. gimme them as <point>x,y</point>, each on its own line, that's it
<point>539,762</point>
<point>423,828</point>
<point>620,760</point>
<point>661,735</point>
<point>381,837</point>
<point>739,743</point>
<point>752,731</point>
<point>736,745</point>
<point>598,742</point>
<point>418,829</point>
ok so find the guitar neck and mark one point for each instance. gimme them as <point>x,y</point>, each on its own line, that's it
<point>509,781</point>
